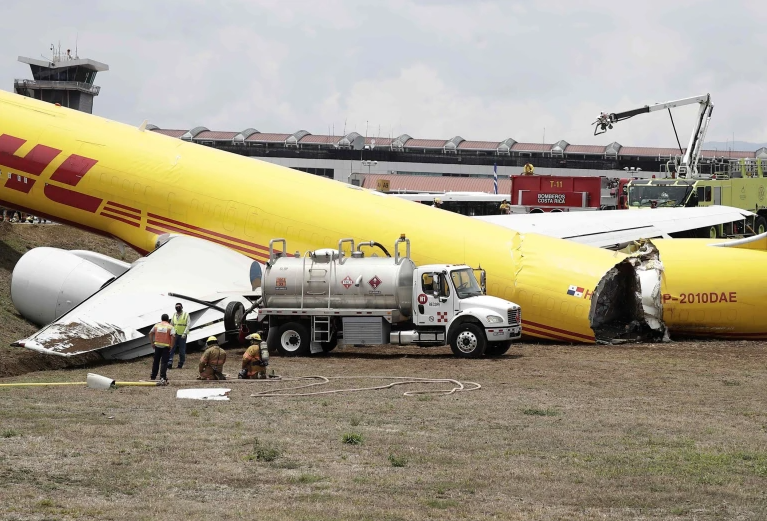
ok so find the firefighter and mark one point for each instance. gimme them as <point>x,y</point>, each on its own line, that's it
<point>253,363</point>
<point>505,208</point>
<point>212,361</point>
<point>161,337</point>
<point>529,169</point>
<point>180,321</point>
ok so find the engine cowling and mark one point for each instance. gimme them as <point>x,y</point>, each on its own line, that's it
<point>48,282</point>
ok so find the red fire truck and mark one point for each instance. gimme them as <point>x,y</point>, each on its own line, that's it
<point>546,193</point>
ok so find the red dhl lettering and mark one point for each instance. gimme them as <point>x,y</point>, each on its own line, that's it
<point>711,297</point>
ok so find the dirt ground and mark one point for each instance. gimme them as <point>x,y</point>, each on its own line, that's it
<point>673,431</point>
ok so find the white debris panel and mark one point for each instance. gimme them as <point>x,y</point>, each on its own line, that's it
<point>116,319</point>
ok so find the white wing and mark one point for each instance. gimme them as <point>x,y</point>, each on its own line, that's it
<point>116,319</point>
<point>612,228</point>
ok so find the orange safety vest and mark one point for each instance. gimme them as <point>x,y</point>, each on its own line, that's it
<point>162,334</point>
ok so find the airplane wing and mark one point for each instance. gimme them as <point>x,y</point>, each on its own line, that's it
<point>617,227</point>
<point>116,319</point>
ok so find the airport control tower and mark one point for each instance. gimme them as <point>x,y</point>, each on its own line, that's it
<point>65,79</point>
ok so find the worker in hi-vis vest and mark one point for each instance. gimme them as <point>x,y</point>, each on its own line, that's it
<point>180,322</point>
<point>161,337</point>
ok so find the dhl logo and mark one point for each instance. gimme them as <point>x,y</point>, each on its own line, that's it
<point>73,169</point>
<point>69,172</point>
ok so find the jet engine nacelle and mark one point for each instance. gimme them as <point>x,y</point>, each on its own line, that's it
<point>48,282</point>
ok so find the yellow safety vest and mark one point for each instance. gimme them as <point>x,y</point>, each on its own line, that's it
<point>180,323</point>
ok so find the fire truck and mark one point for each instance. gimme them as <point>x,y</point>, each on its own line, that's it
<point>738,183</point>
<point>546,193</point>
<point>325,298</point>
<point>534,194</point>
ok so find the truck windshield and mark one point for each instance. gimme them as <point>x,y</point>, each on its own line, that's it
<point>640,196</point>
<point>465,283</point>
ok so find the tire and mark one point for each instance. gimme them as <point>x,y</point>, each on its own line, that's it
<point>497,348</point>
<point>329,346</point>
<point>292,339</point>
<point>760,225</point>
<point>468,341</point>
<point>271,340</point>
<point>233,315</point>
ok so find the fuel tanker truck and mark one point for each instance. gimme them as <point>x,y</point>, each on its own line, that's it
<point>325,298</point>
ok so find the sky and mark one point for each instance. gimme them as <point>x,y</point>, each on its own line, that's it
<point>531,71</point>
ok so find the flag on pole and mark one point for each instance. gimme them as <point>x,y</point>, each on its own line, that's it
<point>495,178</point>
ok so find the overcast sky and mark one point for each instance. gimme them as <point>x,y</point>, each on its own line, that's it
<point>432,69</point>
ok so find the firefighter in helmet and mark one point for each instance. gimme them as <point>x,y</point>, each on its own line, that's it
<point>212,361</point>
<point>254,360</point>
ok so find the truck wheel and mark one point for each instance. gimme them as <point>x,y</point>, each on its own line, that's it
<point>468,341</point>
<point>233,315</point>
<point>292,339</point>
<point>330,345</point>
<point>271,340</point>
<point>760,225</point>
<point>497,348</point>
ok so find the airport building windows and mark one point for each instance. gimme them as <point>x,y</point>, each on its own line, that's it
<point>324,172</point>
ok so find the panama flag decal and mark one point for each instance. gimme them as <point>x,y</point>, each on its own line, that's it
<point>575,291</point>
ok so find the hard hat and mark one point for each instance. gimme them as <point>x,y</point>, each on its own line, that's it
<point>212,340</point>
<point>254,336</point>
<point>437,200</point>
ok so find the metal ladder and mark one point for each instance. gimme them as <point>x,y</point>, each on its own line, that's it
<point>320,329</point>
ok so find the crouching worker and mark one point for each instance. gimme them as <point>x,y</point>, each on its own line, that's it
<point>212,361</point>
<point>254,360</point>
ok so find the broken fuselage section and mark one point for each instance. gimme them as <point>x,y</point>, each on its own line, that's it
<point>628,303</point>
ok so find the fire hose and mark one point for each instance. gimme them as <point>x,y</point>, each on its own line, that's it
<point>458,386</point>
<point>100,382</point>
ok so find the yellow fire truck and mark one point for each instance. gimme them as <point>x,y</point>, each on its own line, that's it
<point>738,183</point>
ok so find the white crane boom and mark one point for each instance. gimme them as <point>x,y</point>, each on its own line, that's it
<point>689,163</point>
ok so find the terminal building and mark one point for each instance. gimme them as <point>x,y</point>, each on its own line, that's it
<point>65,79</point>
<point>414,164</point>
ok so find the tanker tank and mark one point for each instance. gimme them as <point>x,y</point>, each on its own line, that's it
<point>326,280</point>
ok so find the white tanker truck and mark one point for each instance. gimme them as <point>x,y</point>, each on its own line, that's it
<point>328,297</point>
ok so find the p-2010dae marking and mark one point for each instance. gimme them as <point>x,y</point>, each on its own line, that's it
<point>711,297</point>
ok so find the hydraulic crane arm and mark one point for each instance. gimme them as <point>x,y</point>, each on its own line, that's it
<point>689,162</point>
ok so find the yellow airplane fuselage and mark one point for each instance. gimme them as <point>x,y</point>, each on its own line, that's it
<point>135,185</point>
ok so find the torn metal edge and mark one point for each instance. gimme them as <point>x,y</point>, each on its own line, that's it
<point>627,305</point>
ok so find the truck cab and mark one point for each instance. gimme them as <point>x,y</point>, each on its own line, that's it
<point>740,184</point>
<point>450,299</point>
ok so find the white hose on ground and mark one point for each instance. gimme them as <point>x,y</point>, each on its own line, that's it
<point>401,380</point>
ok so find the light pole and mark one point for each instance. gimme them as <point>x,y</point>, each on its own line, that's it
<point>369,164</point>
